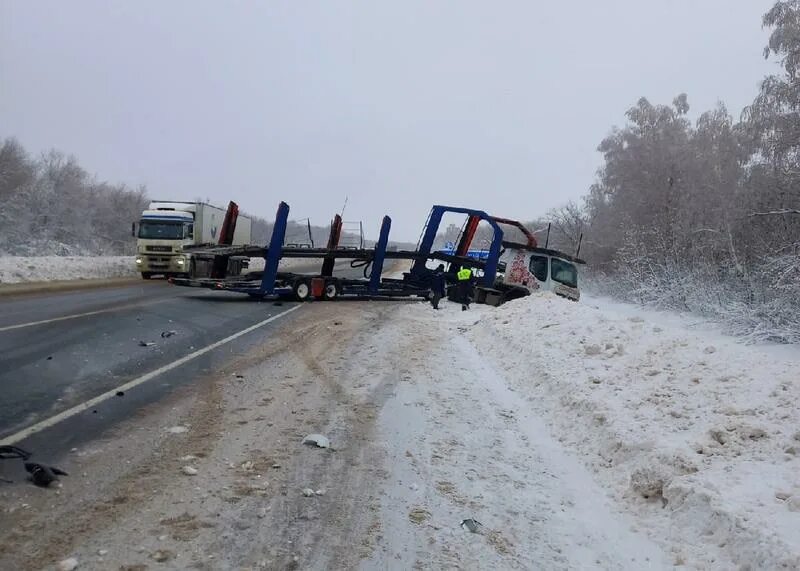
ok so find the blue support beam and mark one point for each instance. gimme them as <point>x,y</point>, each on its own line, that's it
<point>435,220</point>
<point>274,250</point>
<point>380,256</point>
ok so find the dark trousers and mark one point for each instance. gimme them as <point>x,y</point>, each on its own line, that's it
<point>464,293</point>
<point>437,295</point>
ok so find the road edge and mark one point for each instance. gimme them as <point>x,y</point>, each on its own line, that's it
<point>22,289</point>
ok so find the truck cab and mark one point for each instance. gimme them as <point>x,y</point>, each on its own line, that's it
<point>162,234</point>
<point>529,270</point>
<point>523,270</point>
<point>167,230</point>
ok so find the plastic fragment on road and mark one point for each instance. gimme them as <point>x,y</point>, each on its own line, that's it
<point>177,429</point>
<point>308,492</point>
<point>472,525</point>
<point>189,471</point>
<point>165,334</point>
<point>317,440</point>
<point>146,343</point>
<point>67,564</point>
<point>42,475</point>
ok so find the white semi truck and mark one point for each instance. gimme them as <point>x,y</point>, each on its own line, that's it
<point>167,228</point>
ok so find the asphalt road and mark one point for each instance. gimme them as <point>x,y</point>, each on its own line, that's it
<point>63,351</point>
<point>58,351</point>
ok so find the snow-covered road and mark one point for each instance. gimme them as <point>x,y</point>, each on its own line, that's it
<point>581,435</point>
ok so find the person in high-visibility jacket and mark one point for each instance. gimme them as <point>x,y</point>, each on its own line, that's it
<point>464,276</point>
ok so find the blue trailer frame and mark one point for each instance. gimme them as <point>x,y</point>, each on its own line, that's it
<point>416,282</point>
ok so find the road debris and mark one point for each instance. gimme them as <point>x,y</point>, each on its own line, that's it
<point>102,552</point>
<point>317,440</point>
<point>189,470</point>
<point>419,515</point>
<point>319,492</point>
<point>67,564</point>
<point>188,458</point>
<point>472,525</point>
<point>165,334</point>
<point>162,555</point>
<point>146,343</point>
<point>9,452</point>
<point>120,393</point>
<point>308,492</point>
<point>177,430</point>
<point>42,475</point>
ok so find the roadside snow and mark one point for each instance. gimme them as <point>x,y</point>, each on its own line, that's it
<point>463,444</point>
<point>695,435</point>
<point>18,269</point>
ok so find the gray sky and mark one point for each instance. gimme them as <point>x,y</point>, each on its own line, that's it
<point>493,105</point>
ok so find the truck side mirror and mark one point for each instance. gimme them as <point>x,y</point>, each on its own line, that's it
<point>133,229</point>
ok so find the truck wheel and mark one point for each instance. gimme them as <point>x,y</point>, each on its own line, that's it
<point>302,290</point>
<point>331,291</point>
<point>146,275</point>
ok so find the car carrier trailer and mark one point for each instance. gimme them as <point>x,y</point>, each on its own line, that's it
<point>272,283</point>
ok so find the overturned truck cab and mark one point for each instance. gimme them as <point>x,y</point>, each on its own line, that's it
<point>523,270</point>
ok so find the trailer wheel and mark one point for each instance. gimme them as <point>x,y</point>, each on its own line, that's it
<point>331,291</point>
<point>302,290</point>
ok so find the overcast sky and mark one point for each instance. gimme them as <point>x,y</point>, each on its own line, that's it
<point>493,105</point>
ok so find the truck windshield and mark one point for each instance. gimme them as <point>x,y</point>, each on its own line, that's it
<point>161,230</point>
<point>563,272</point>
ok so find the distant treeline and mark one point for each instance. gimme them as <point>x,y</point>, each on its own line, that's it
<point>50,205</point>
<point>704,216</point>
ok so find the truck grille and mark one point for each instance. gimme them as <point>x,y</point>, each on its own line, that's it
<point>158,248</point>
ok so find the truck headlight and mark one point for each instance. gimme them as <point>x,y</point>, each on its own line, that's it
<point>180,261</point>
<point>138,261</point>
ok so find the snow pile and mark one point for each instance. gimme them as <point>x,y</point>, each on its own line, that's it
<point>697,435</point>
<point>18,269</point>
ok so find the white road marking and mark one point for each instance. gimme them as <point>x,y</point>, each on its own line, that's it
<point>77,315</point>
<point>70,412</point>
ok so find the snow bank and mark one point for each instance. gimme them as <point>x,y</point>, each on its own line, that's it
<point>695,434</point>
<point>18,269</point>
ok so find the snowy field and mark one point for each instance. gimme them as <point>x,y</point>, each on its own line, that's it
<point>17,269</point>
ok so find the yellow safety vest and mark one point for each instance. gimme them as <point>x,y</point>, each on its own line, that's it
<point>464,274</point>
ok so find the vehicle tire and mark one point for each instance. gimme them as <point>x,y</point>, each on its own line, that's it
<point>146,275</point>
<point>331,291</point>
<point>302,290</point>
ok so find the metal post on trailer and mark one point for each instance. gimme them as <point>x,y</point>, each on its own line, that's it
<point>335,235</point>
<point>274,250</point>
<point>380,256</point>
<point>425,245</point>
